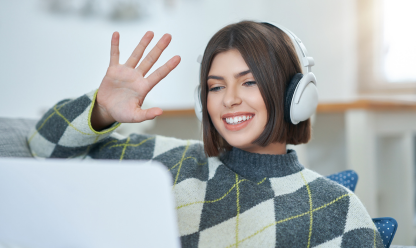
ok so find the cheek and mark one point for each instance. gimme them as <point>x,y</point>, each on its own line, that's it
<point>256,101</point>
<point>261,105</point>
<point>214,111</point>
<point>211,106</point>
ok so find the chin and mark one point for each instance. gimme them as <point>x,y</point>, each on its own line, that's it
<point>240,142</point>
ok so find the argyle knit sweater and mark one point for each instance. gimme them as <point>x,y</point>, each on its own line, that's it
<point>238,199</point>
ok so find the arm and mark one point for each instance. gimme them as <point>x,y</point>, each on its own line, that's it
<point>72,127</point>
<point>65,130</point>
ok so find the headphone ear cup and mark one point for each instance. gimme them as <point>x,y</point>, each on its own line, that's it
<point>290,91</point>
<point>198,104</point>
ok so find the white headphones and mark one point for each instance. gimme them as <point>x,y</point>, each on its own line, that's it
<point>301,98</point>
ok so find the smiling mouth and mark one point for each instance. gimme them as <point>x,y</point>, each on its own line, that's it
<point>237,119</point>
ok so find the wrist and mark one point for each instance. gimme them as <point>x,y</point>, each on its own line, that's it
<point>100,118</point>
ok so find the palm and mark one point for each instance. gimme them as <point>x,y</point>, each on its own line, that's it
<point>124,87</point>
<point>124,90</point>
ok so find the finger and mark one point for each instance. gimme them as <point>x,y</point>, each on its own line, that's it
<point>163,71</point>
<point>115,52</point>
<point>138,51</point>
<point>147,114</point>
<point>154,54</point>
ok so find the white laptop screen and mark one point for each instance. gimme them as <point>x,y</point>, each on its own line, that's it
<point>62,203</point>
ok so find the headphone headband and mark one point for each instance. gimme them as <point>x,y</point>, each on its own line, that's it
<point>306,61</point>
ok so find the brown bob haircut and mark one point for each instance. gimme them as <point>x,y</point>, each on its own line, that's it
<point>272,59</point>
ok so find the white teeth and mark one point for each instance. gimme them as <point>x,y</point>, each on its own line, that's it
<point>238,119</point>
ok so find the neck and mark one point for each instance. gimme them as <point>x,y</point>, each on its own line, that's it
<point>272,149</point>
<point>256,167</point>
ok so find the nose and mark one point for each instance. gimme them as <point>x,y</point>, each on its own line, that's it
<point>231,98</point>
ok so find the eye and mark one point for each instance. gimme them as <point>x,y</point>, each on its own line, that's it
<point>249,83</point>
<point>216,88</point>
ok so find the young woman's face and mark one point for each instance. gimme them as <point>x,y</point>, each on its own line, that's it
<point>234,102</point>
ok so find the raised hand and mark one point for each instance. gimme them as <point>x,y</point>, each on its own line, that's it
<point>124,87</point>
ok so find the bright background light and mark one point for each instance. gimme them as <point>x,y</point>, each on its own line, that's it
<point>399,41</point>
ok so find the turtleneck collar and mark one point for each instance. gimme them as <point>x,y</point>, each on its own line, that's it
<point>254,166</point>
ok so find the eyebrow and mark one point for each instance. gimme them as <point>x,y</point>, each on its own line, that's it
<point>235,76</point>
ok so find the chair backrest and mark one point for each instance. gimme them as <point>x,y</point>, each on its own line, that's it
<point>348,179</point>
<point>386,226</point>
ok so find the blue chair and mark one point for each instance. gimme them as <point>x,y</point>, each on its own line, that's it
<point>348,179</point>
<point>386,226</point>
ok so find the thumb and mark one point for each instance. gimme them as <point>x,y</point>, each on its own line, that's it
<point>147,114</point>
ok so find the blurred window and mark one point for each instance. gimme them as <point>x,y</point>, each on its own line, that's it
<point>399,41</point>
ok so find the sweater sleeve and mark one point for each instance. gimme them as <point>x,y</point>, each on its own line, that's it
<point>65,131</point>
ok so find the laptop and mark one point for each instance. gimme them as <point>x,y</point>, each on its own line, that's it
<point>79,204</point>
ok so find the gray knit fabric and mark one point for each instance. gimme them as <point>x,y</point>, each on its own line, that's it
<point>255,166</point>
<point>240,199</point>
<point>13,137</point>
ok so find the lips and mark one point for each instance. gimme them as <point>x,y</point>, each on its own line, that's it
<point>237,121</point>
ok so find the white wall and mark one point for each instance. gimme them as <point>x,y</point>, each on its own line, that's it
<point>45,57</point>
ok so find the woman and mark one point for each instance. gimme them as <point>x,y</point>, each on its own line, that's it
<point>241,187</point>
